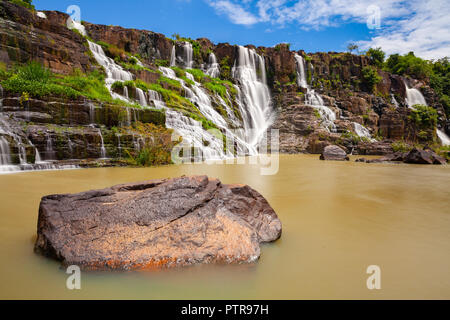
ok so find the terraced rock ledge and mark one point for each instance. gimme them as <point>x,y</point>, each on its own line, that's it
<point>156,224</point>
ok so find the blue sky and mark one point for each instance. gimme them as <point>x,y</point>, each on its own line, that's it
<point>311,25</point>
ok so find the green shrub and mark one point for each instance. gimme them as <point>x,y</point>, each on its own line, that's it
<point>198,74</point>
<point>401,146</point>
<point>370,77</point>
<point>38,89</point>
<point>424,117</point>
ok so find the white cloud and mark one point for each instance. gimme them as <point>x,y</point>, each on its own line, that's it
<point>407,25</point>
<point>426,32</point>
<point>236,13</point>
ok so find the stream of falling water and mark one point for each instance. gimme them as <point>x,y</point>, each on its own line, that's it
<point>414,97</point>
<point>313,98</point>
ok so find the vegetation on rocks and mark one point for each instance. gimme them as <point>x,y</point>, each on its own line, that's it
<point>370,77</point>
<point>157,147</point>
<point>424,117</point>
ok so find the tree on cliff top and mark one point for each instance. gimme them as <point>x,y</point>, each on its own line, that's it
<point>376,56</point>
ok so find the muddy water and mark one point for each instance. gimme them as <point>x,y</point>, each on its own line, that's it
<point>338,218</point>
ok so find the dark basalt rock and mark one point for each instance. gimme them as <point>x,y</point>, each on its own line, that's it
<point>418,156</point>
<point>158,223</point>
<point>415,156</point>
<point>334,153</point>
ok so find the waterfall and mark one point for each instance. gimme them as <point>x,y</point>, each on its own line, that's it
<point>445,139</point>
<point>186,128</point>
<point>5,154</point>
<point>194,135</point>
<point>213,67</point>
<point>188,55</point>
<point>49,152</point>
<point>414,97</point>
<point>254,93</point>
<point>362,132</point>
<point>102,145</point>
<point>394,101</point>
<point>301,74</point>
<point>173,57</point>
<point>314,99</point>
<point>114,72</point>
<point>125,92</point>
<point>119,146</point>
<point>157,100</point>
<point>70,145</point>
<point>141,97</point>
<point>72,24</point>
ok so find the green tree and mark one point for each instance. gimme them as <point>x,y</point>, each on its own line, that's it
<point>409,64</point>
<point>352,47</point>
<point>376,56</point>
<point>370,77</point>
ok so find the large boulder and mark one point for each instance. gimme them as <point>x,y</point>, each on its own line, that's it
<point>334,153</point>
<point>157,223</point>
<point>418,156</point>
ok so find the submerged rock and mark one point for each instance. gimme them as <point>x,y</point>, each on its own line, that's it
<point>157,223</point>
<point>334,153</point>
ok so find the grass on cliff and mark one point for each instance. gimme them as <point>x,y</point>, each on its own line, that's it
<point>24,3</point>
<point>37,81</point>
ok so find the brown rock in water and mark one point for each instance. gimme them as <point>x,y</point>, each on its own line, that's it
<point>158,223</point>
<point>417,156</point>
<point>334,153</point>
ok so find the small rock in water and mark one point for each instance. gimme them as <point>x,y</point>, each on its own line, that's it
<point>155,224</point>
<point>334,153</point>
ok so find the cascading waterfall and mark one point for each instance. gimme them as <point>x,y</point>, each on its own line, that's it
<point>314,99</point>
<point>445,139</point>
<point>114,72</point>
<point>188,55</point>
<point>213,67</point>
<point>394,101</point>
<point>180,123</point>
<point>173,57</point>
<point>362,131</point>
<point>414,97</point>
<point>119,146</point>
<point>255,94</point>
<point>157,99</point>
<point>5,152</point>
<point>102,146</point>
<point>141,97</point>
<point>50,154</point>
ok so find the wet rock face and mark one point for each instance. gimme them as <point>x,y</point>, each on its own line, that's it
<point>158,223</point>
<point>334,153</point>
